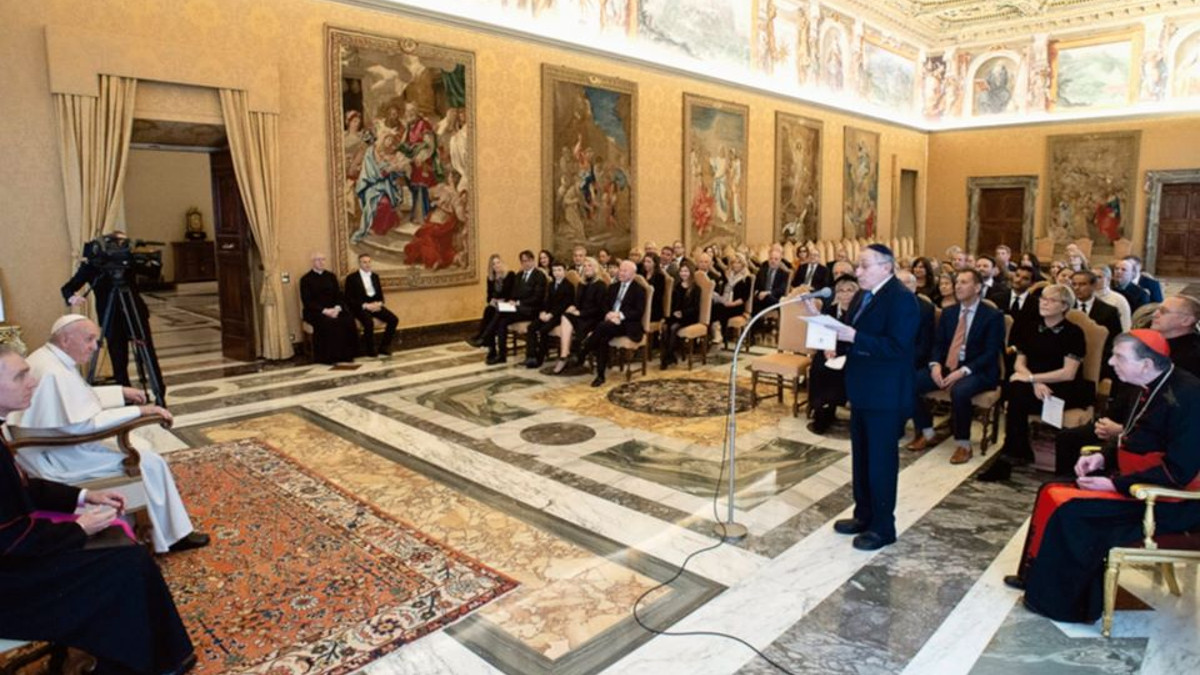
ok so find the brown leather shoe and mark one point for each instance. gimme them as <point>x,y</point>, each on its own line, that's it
<point>918,444</point>
<point>961,455</point>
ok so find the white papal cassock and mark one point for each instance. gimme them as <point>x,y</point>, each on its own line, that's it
<point>65,401</point>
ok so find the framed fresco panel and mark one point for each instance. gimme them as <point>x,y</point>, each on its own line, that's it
<point>797,178</point>
<point>860,184</point>
<point>993,87</point>
<point>889,77</point>
<point>589,149</point>
<point>402,156</point>
<point>716,138</point>
<point>1100,71</point>
<point>1092,180</point>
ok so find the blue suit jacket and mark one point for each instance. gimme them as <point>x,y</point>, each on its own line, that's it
<point>1152,287</point>
<point>879,367</point>
<point>984,341</point>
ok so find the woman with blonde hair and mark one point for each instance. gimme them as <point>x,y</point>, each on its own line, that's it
<point>583,316</point>
<point>499,287</point>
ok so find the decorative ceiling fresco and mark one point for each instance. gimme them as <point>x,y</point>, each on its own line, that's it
<point>927,63</point>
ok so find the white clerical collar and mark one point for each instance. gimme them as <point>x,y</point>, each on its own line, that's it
<point>62,356</point>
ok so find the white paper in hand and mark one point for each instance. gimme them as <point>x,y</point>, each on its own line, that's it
<point>822,333</point>
<point>836,363</point>
<point>1052,411</point>
<point>506,307</point>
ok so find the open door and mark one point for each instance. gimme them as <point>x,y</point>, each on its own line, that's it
<point>234,244</point>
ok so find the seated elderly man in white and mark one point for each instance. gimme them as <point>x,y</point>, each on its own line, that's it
<point>64,401</point>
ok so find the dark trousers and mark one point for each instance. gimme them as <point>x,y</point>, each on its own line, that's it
<point>597,343</point>
<point>117,339</point>
<point>874,442</point>
<point>961,410</point>
<point>367,321</point>
<point>1068,447</point>
<point>537,340</point>
<point>495,334</point>
<point>670,341</point>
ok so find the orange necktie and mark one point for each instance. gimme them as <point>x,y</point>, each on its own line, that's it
<point>956,344</point>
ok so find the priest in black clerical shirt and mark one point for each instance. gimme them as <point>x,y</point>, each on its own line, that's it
<point>334,333</point>
<point>110,602</point>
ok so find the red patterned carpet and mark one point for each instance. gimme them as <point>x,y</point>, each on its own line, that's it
<point>302,577</point>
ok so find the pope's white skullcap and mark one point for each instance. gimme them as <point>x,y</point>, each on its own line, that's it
<point>66,320</point>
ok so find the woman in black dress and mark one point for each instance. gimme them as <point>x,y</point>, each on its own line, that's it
<point>927,279</point>
<point>657,280</point>
<point>685,311</point>
<point>826,386</point>
<point>1049,362</point>
<point>732,302</point>
<point>499,287</point>
<point>580,318</point>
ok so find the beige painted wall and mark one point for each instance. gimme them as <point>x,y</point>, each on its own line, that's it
<point>160,187</point>
<point>291,33</point>
<point>1166,144</point>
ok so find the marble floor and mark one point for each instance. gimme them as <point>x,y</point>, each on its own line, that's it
<point>592,498</point>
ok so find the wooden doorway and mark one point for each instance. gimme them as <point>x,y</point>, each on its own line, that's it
<point>1001,217</point>
<point>1179,231</point>
<point>234,246</point>
<point>1000,211</point>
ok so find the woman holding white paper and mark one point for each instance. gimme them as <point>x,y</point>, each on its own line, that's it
<point>827,385</point>
<point>1049,362</point>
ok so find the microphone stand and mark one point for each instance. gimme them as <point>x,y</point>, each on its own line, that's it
<point>731,530</point>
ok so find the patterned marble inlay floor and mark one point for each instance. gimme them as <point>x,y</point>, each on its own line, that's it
<point>571,613</point>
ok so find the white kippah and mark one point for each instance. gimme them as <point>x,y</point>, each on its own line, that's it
<point>66,320</point>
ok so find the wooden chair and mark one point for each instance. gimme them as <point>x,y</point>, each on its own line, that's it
<point>626,347</point>
<point>789,364</point>
<point>657,327</point>
<point>1164,551</point>
<point>986,404</point>
<point>1121,248</point>
<point>130,484</point>
<point>699,330</point>
<point>735,324</point>
<point>1143,315</point>
<point>1085,247</point>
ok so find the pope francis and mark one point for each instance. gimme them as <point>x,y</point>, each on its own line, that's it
<point>64,401</point>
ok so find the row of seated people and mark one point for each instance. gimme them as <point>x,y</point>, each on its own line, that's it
<point>332,309</point>
<point>71,572</point>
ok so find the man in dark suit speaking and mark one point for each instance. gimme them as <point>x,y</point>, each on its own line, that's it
<point>364,296</point>
<point>626,302</point>
<point>884,318</point>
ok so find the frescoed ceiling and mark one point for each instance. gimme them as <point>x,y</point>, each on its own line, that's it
<point>944,23</point>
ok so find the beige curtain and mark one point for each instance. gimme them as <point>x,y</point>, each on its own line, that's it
<point>93,144</point>
<point>254,145</point>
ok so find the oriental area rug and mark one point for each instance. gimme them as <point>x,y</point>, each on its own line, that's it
<point>302,577</point>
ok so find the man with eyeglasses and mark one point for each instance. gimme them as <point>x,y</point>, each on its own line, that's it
<point>1176,319</point>
<point>882,333</point>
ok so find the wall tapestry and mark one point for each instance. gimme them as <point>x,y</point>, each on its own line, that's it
<point>860,184</point>
<point>1093,179</point>
<point>715,143</point>
<point>402,156</point>
<point>589,149</point>
<point>797,178</point>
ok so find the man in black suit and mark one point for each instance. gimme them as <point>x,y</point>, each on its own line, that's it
<point>809,271</point>
<point>364,295</point>
<point>771,284</point>
<point>325,310</point>
<point>561,296</point>
<point>110,601</point>
<point>528,295</point>
<point>995,282</point>
<point>1152,286</point>
<point>1083,283</point>
<point>879,385</point>
<point>1020,303</point>
<point>627,302</point>
<point>1126,284</point>
<point>965,361</point>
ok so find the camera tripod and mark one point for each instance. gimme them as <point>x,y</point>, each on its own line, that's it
<point>136,332</point>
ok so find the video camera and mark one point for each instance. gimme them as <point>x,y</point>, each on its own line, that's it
<point>116,253</point>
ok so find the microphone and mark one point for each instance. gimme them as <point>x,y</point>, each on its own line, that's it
<point>821,294</point>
